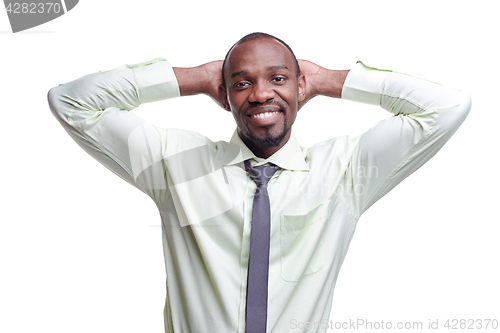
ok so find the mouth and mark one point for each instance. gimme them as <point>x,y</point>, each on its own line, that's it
<point>265,116</point>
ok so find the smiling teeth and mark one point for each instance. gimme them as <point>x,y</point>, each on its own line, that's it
<point>264,114</point>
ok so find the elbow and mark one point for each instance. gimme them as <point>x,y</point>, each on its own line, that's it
<point>54,98</point>
<point>452,117</point>
<point>462,109</point>
<point>465,104</point>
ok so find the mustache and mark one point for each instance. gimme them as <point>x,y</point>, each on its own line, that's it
<point>253,105</point>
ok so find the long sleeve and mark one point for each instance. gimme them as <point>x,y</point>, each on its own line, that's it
<point>94,110</point>
<point>426,115</point>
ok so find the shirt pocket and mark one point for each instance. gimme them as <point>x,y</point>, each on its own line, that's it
<point>302,250</point>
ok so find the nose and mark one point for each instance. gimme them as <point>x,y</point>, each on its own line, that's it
<point>261,93</point>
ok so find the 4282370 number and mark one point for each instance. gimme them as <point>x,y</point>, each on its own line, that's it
<point>33,8</point>
<point>455,324</point>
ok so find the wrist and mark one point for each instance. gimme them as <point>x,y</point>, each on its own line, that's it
<point>332,82</point>
<point>192,80</point>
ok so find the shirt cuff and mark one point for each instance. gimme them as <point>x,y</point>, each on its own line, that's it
<point>156,80</point>
<point>363,84</point>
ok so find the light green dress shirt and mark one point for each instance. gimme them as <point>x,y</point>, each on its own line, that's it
<point>205,196</point>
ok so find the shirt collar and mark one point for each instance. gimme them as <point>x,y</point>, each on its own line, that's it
<point>290,156</point>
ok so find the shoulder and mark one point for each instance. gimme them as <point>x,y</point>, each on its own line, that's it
<point>180,140</point>
<point>338,149</point>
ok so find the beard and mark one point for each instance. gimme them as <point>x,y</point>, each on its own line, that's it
<point>270,140</point>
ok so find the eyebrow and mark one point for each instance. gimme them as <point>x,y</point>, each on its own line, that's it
<point>270,68</point>
<point>239,73</point>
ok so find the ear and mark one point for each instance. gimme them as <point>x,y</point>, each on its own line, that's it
<point>302,88</point>
<point>223,98</point>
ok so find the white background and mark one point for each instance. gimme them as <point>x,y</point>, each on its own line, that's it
<point>80,249</point>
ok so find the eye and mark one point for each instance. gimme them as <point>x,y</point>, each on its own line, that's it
<point>241,85</point>
<point>279,79</point>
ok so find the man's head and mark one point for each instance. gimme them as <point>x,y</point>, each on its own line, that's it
<point>262,86</point>
<point>256,36</point>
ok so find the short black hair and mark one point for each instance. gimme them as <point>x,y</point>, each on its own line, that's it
<point>254,36</point>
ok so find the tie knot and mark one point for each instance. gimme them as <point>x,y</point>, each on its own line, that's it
<point>262,174</point>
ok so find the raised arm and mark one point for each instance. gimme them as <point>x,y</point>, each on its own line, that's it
<point>94,110</point>
<point>426,115</point>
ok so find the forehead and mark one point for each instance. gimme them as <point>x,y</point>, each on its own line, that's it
<point>259,54</point>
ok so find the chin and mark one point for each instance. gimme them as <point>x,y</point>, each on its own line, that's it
<point>271,140</point>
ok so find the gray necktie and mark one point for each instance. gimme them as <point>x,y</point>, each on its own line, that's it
<point>258,261</point>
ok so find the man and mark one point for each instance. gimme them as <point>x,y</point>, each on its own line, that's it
<point>242,255</point>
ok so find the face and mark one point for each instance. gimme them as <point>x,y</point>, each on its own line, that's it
<point>263,92</point>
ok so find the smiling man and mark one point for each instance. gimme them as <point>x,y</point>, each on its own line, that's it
<point>255,230</point>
